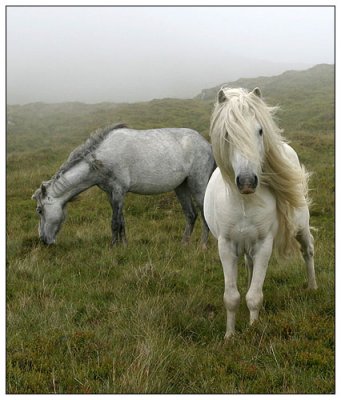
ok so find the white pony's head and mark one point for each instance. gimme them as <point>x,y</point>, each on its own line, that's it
<point>238,138</point>
<point>51,213</point>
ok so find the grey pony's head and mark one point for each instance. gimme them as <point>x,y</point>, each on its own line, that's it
<point>51,214</point>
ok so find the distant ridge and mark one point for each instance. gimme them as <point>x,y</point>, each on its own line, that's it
<point>315,77</point>
<point>305,97</point>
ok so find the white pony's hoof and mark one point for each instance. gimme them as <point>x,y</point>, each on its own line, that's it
<point>313,286</point>
<point>228,335</point>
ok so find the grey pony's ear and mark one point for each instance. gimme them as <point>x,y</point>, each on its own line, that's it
<point>40,192</point>
<point>43,189</point>
<point>221,96</point>
<point>256,91</point>
<point>35,194</point>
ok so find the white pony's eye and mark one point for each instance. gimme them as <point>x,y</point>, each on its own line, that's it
<point>260,132</point>
<point>39,210</point>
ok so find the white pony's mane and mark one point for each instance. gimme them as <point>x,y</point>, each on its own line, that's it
<point>288,182</point>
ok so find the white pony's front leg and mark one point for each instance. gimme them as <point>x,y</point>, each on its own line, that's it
<point>249,267</point>
<point>229,260</point>
<point>254,296</point>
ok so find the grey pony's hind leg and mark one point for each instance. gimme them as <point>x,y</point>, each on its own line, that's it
<point>306,241</point>
<point>117,222</point>
<point>205,230</point>
<point>198,194</point>
<point>184,196</point>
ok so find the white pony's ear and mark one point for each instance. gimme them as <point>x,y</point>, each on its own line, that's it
<point>256,91</point>
<point>221,96</point>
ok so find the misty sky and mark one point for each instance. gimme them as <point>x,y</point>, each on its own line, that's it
<point>119,54</point>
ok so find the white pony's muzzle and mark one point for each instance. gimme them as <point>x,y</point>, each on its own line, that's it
<point>247,183</point>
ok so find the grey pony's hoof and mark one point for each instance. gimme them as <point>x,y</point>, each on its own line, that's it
<point>204,246</point>
<point>119,242</point>
<point>185,241</point>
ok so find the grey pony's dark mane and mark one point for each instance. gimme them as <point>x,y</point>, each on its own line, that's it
<point>85,149</point>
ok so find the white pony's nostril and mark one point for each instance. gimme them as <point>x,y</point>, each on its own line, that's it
<point>256,181</point>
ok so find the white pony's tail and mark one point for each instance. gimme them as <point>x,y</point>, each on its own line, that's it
<point>285,243</point>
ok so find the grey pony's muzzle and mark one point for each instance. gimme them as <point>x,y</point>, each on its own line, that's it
<point>46,241</point>
<point>247,183</point>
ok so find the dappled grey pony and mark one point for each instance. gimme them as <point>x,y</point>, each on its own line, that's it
<point>120,160</point>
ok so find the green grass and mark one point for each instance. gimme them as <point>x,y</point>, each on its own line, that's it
<point>83,317</point>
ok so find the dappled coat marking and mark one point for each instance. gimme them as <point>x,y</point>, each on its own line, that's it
<point>120,160</point>
<point>257,198</point>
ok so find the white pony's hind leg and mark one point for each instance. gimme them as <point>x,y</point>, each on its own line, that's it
<point>231,295</point>
<point>306,241</point>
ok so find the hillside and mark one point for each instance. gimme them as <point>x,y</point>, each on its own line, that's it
<point>306,97</point>
<point>70,123</point>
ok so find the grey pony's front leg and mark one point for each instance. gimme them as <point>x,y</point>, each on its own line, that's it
<point>117,221</point>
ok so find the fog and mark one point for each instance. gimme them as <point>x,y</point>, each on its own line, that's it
<point>128,54</point>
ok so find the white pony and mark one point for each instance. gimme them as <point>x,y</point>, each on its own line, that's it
<point>257,198</point>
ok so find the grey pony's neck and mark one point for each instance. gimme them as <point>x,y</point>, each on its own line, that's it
<point>74,181</point>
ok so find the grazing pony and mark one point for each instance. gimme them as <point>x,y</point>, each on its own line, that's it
<point>120,160</point>
<point>257,198</point>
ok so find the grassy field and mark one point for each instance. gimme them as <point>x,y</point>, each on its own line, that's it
<point>83,317</point>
